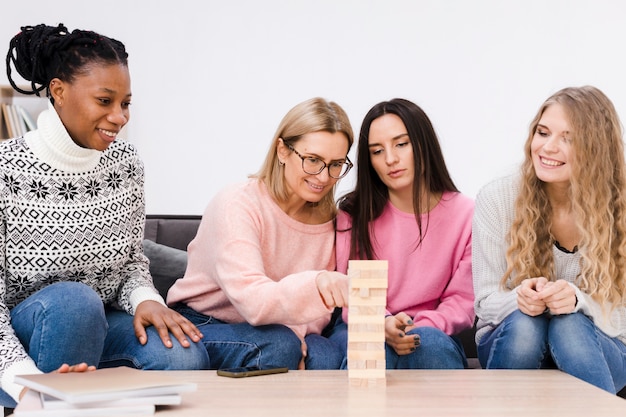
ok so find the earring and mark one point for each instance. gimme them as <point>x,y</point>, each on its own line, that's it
<point>281,163</point>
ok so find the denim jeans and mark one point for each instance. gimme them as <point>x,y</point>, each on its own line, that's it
<point>437,350</point>
<point>121,348</point>
<point>569,342</point>
<point>241,344</point>
<point>66,322</point>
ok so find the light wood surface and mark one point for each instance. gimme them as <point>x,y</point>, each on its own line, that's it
<point>422,393</point>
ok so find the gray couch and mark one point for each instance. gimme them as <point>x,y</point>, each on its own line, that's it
<point>166,241</point>
<point>165,244</point>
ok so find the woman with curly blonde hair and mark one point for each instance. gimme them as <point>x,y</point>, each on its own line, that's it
<point>549,247</point>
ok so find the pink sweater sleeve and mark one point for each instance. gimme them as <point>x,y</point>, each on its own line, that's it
<point>251,262</point>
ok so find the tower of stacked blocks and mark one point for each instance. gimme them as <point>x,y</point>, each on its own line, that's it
<point>366,322</point>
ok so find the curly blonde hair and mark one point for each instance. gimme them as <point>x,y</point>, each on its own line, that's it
<point>597,194</point>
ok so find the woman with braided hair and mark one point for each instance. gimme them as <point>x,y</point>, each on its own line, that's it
<point>549,247</point>
<point>75,291</point>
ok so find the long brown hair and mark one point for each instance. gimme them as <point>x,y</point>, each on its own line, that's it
<point>367,201</point>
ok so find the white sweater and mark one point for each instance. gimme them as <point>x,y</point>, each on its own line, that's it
<point>493,216</point>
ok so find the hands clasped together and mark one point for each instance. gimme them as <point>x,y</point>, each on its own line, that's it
<point>535,296</point>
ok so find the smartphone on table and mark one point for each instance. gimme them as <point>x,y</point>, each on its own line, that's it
<point>250,371</point>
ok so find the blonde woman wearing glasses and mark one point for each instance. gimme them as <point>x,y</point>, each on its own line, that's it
<point>259,284</point>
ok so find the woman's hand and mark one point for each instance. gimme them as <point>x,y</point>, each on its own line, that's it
<point>333,288</point>
<point>165,321</point>
<point>395,333</point>
<point>536,295</point>
<point>81,367</point>
<point>528,300</point>
<point>559,297</point>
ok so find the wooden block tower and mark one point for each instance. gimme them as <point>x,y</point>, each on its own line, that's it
<point>366,322</point>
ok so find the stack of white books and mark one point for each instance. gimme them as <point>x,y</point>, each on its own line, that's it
<point>118,391</point>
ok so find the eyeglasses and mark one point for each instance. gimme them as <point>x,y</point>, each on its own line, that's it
<point>313,166</point>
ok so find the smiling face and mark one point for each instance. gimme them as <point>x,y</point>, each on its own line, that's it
<point>326,146</point>
<point>391,154</point>
<point>95,105</point>
<point>551,146</point>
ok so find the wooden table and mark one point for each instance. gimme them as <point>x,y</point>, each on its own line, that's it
<point>422,393</point>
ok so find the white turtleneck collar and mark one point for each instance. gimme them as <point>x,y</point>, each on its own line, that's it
<point>53,145</point>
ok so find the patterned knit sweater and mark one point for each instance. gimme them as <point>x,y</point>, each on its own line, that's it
<point>493,216</point>
<point>67,214</point>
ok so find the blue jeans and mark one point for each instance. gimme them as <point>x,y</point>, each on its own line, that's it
<point>66,322</point>
<point>241,344</point>
<point>569,342</point>
<point>437,350</point>
<point>121,348</point>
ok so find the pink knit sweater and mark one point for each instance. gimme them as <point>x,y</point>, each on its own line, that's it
<point>251,262</point>
<point>431,283</point>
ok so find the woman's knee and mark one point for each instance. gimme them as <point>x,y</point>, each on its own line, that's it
<point>436,350</point>
<point>70,306</point>
<point>241,344</point>
<point>519,342</point>
<point>73,297</point>
<point>124,349</point>
<point>322,353</point>
<point>521,328</point>
<point>284,346</point>
<point>571,327</point>
<point>155,355</point>
<point>566,329</point>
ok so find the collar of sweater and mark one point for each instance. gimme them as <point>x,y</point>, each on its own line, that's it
<point>53,145</point>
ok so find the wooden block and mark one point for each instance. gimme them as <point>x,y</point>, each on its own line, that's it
<point>368,373</point>
<point>367,265</point>
<point>367,355</point>
<point>366,322</point>
<point>366,336</point>
<point>365,282</point>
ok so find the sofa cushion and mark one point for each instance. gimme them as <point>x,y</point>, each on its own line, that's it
<point>167,264</point>
<point>173,231</point>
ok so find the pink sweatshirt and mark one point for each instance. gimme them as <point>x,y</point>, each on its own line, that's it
<point>433,283</point>
<point>251,262</point>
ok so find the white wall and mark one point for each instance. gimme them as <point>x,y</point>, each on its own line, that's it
<point>212,79</point>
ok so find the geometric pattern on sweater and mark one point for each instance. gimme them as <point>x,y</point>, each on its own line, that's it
<point>62,226</point>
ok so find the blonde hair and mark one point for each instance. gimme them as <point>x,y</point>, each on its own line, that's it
<point>313,115</point>
<point>597,194</point>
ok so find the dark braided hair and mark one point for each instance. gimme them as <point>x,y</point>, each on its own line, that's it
<point>41,53</point>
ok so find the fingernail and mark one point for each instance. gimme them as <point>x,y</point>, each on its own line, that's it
<point>410,321</point>
<point>401,334</point>
<point>412,349</point>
